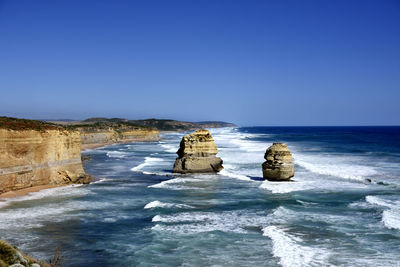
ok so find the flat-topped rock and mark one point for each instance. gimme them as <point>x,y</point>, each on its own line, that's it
<point>197,154</point>
<point>198,144</point>
<point>279,163</point>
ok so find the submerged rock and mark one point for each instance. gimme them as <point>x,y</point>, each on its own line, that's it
<point>279,163</point>
<point>197,154</point>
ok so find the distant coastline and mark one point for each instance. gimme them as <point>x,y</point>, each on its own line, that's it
<point>61,146</point>
<point>100,132</point>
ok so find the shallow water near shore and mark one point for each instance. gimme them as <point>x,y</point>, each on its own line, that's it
<point>342,209</point>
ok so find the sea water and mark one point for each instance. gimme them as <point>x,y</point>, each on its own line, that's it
<point>343,208</point>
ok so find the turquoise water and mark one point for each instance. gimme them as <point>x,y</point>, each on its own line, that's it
<point>342,210</point>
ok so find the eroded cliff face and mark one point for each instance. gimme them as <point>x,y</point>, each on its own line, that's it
<point>111,135</point>
<point>32,157</point>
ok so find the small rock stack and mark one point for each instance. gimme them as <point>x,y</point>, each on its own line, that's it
<point>279,165</point>
<point>197,154</point>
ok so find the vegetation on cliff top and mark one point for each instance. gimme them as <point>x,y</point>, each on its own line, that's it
<point>10,255</point>
<point>24,124</point>
<point>84,126</point>
<point>117,124</point>
<point>159,124</point>
<point>104,124</point>
<point>173,125</point>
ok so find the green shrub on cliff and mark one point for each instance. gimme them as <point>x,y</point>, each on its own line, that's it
<point>24,124</point>
<point>6,254</point>
<point>10,255</point>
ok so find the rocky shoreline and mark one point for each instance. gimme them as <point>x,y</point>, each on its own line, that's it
<point>12,257</point>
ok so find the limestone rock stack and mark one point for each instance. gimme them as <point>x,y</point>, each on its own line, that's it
<point>197,154</point>
<point>279,163</point>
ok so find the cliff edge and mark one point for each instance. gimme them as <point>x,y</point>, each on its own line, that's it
<point>35,153</point>
<point>97,132</point>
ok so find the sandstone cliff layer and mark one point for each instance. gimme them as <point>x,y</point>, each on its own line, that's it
<point>101,131</point>
<point>115,135</point>
<point>38,154</point>
<point>279,163</point>
<point>197,154</point>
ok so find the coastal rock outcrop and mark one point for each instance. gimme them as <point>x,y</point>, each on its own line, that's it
<point>279,163</point>
<point>11,256</point>
<point>33,153</point>
<point>197,154</point>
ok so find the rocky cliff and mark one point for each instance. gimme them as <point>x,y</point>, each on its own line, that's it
<point>197,154</point>
<point>34,153</point>
<point>108,133</point>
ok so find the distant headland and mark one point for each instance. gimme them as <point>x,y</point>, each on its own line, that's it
<point>159,124</point>
<point>36,154</point>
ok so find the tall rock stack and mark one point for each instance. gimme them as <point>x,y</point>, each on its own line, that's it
<point>197,154</point>
<point>279,165</point>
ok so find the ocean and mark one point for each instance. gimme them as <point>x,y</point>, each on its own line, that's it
<point>343,208</point>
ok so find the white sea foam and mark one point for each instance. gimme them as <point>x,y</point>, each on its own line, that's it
<point>291,252</point>
<point>287,187</point>
<point>109,220</point>
<point>100,180</point>
<point>64,191</point>
<point>224,172</point>
<point>117,154</point>
<point>250,146</point>
<point>335,166</point>
<point>148,161</point>
<point>158,173</point>
<point>181,218</point>
<point>159,204</point>
<point>169,148</point>
<point>177,183</point>
<point>374,200</point>
<point>391,212</point>
<point>32,217</point>
<point>197,222</point>
<point>391,218</point>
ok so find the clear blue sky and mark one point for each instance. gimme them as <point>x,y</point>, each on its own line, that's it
<point>250,62</point>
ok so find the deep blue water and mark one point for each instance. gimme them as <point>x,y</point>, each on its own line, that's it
<point>342,210</point>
